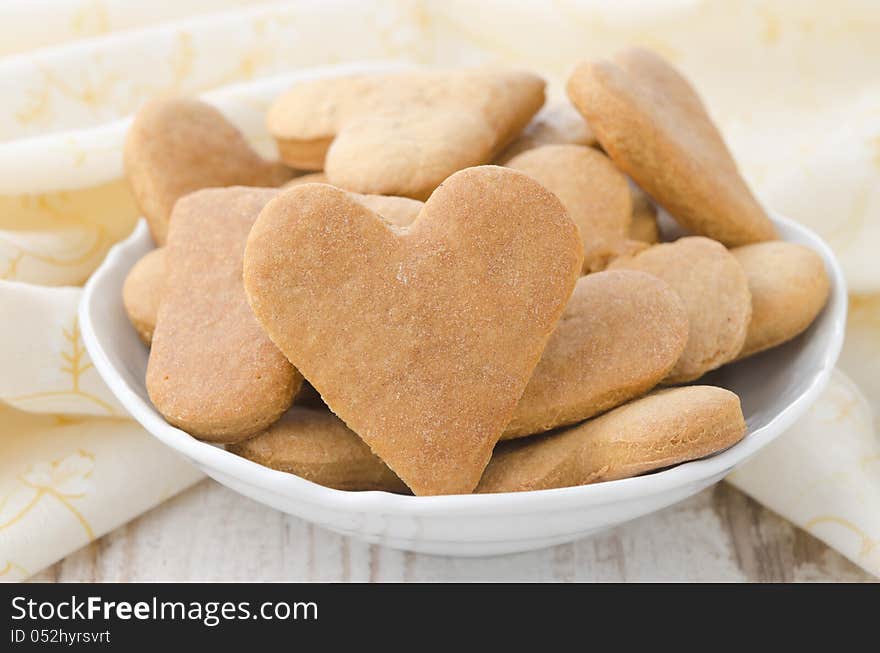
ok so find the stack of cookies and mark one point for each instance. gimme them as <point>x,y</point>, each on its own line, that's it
<point>445,287</point>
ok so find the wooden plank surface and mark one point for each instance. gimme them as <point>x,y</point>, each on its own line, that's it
<point>210,533</point>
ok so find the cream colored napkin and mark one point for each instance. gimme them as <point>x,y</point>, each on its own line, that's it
<point>794,86</point>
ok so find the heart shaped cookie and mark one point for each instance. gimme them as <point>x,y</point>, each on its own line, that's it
<point>178,146</point>
<point>665,428</point>
<point>594,192</point>
<point>619,336</point>
<point>789,286</point>
<point>404,133</point>
<point>421,340</point>
<point>652,123</point>
<point>212,370</point>
<point>715,292</point>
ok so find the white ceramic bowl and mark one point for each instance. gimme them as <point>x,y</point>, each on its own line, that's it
<point>776,388</point>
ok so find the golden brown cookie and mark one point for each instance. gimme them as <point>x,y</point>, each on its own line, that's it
<point>595,194</point>
<point>643,227</point>
<point>715,292</point>
<point>403,133</point>
<point>619,336</point>
<point>789,286</point>
<point>421,340</point>
<point>317,446</point>
<point>142,291</point>
<point>213,371</point>
<point>556,124</point>
<point>177,146</point>
<point>665,428</point>
<point>654,126</point>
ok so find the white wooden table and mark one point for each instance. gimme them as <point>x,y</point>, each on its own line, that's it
<point>210,533</point>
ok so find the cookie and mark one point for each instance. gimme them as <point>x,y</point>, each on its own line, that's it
<point>619,336</point>
<point>715,292</point>
<point>643,227</point>
<point>317,446</point>
<point>212,371</point>
<point>665,428</point>
<point>142,291</point>
<point>421,340</point>
<point>177,146</point>
<point>653,125</point>
<point>556,124</point>
<point>595,194</point>
<point>403,133</point>
<point>789,286</point>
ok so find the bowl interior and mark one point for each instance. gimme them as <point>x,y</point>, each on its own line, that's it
<point>776,387</point>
